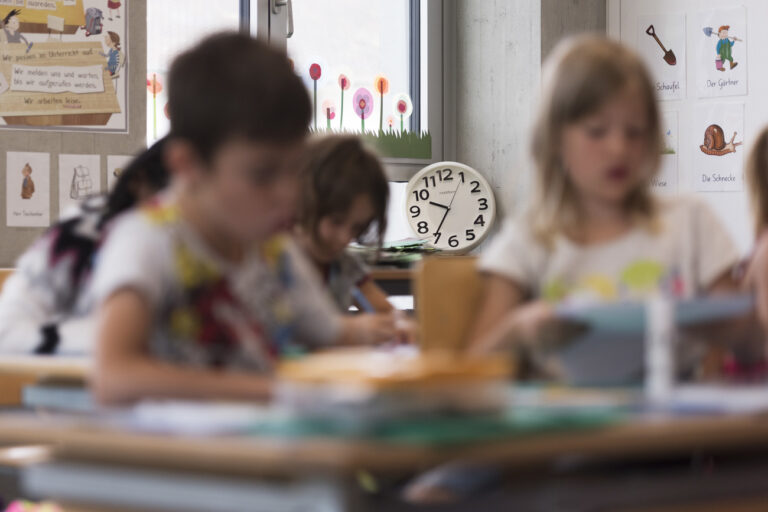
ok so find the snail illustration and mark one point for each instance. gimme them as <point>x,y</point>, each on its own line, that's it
<point>714,142</point>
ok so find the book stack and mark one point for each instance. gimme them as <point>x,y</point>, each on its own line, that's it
<point>364,387</point>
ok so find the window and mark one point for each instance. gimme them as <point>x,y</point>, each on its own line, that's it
<point>391,54</point>
<point>170,30</point>
<point>399,40</point>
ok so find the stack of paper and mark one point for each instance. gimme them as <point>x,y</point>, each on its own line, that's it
<point>399,252</point>
<point>365,386</point>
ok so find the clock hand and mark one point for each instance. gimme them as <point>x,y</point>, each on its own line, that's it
<point>437,231</point>
<point>454,195</point>
<point>447,210</point>
<point>440,205</point>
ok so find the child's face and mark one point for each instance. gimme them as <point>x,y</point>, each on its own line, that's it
<point>606,153</point>
<point>13,23</point>
<point>108,41</point>
<point>250,190</point>
<point>723,34</point>
<point>335,232</point>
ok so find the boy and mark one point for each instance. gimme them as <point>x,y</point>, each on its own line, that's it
<point>204,280</point>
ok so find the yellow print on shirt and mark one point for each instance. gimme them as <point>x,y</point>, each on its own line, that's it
<point>161,213</point>
<point>638,279</point>
<point>191,271</point>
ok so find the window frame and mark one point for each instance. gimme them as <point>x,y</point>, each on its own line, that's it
<point>437,17</point>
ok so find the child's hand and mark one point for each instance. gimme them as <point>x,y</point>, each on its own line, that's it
<point>534,326</point>
<point>370,329</point>
<point>405,328</point>
<point>521,326</point>
<point>529,322</point>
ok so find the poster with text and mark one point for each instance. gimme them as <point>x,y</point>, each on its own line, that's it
<point>27,192</point>
<point>115,166</point>
<point>63,65</point>
<point>666,181</point>
<point>719,161</point>
<point>661,42</point>
<point>79,178</point>
<point>721,41</point>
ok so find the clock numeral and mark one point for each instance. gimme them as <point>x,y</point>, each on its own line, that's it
<point>479,221</point>
<point>422,194</point>
<point>415,211</point>
<point>475,186</point>
<point>483,203</point>
<point>423,228</point>
<point>437,237</point>
<point>453,241</point>
<point>426,181</point>
<point>470,235</point>
<point>448,174</point>
<point>461,173</point>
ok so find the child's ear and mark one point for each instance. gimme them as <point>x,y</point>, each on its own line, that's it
<point>181,159</point>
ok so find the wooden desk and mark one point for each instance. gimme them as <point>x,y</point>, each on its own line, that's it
<point>16,372</point>
<point>76,441</point>
<point>46,367</point>
<point>78,437</point>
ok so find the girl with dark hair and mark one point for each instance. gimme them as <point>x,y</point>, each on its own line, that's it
<point>45,306</point>
<point>344,198</point>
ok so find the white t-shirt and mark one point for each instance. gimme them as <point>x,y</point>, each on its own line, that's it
<point>209,312</point>
<point>689,251</point>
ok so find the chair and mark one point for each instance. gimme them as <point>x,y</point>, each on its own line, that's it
<point>446,292</point>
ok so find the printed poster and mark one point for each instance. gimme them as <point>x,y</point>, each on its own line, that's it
<point>27,193</point>
<point>719,138</point>
<point>661,43</point>
<point>79,178</point>
<point>667,178</point>
<point>63,65</point>
<point>721,41</point>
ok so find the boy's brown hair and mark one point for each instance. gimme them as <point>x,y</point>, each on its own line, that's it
<point>757,180</point>
<point>338,169</point>
<point>231,85</point>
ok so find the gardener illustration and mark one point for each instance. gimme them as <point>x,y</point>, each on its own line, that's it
<point>724,46</point>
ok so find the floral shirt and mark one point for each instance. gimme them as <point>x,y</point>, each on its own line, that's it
<point>209,312</point>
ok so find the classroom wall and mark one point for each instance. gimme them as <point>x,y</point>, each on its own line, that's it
<point>732,207</point>
<point>562,18</point>
<point>499,49</point>
<point>14,240</point>
<point>497,68</point>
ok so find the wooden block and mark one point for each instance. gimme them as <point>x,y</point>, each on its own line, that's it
<point>447,291</point>
<point>11,387</point>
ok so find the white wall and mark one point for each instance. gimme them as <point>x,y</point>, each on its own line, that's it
<point>498,68</point>
<point>500,45</point>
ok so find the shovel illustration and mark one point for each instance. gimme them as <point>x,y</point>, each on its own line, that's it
<point>669,55</point>
<point>708,31</point>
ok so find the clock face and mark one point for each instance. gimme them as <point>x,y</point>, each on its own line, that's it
<point>451,205</point>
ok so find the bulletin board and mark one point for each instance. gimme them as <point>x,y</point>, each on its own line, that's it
<point>705,60</point>
<point>76,113</point>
